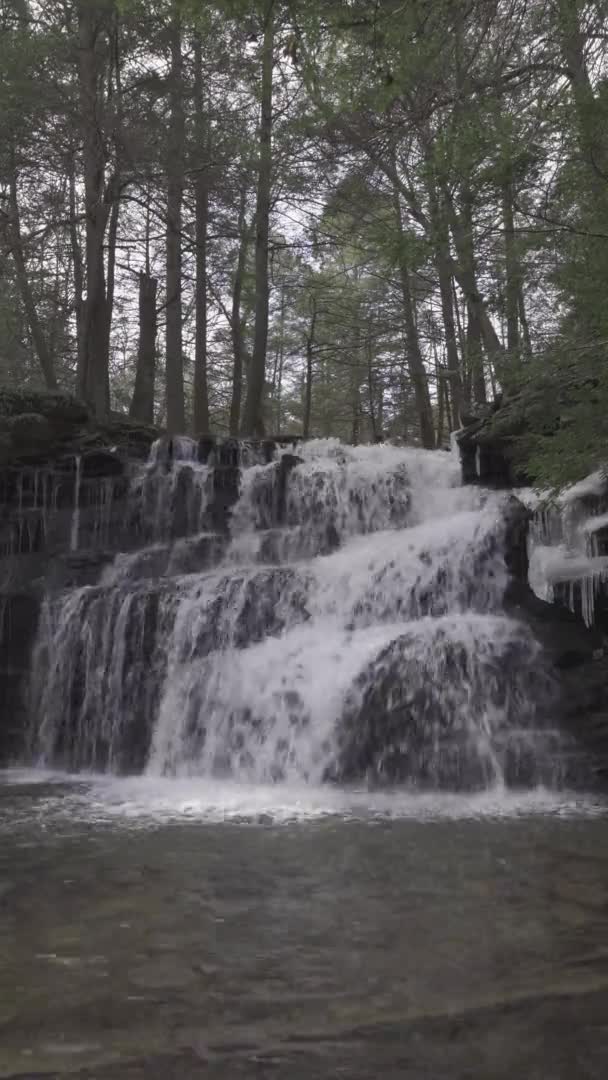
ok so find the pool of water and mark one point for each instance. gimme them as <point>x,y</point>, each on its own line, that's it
<point>175,929</point>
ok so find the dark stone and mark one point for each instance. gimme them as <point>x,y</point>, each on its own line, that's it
<point>97,463</point>
<point>226,486</point>
<point>578,658</point>
<point>286,464</point>
<point>517,519</point>
<point>206,446</point>
<point>403,727</point>
<point>486,444</point>
<point>19,613</point>
<point>268,449</point>
<point>228,454</point>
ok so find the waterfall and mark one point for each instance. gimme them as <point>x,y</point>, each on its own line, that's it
<point>568,545</point>
<point>346,625</point>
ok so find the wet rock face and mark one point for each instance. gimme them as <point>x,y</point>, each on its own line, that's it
<point>419,714</point>
<point>73,494</point>
<point>99,708</point>
<point>18,624</point>
<point>486,449</point>
<point>576,654</point>
<point>63,493</point>
<point>174,619</point>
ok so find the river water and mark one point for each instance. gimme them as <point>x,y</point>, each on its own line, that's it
<point>170,928</point>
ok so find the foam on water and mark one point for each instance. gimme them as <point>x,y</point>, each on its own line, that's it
<point>144,802</point>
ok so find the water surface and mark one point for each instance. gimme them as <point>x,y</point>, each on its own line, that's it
<point>158,929</point>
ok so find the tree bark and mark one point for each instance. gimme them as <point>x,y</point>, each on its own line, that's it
<point>43,352</point>
<point>439,382</point>
<point>236,323</point>
<point>475,332</point>
<point>78,271</point>
<point>280,364</point>
<point>512,270</point>
<point>458,270</point>
<point>415,360</point>
<point>525,329</point>
<point>114,194</point>
<point>253,423</point>
<point>94,373</point>
<point>592,136</point>
<point>201,389</point>
<point>370,383</point>
<point>310,346</point>
<point>442,262</point>
<point>174,361</point>
<point>142,402</point>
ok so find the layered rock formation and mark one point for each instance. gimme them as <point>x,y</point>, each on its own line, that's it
<point>560,580</point>
<point>73,494</point>
<point>274,611</point>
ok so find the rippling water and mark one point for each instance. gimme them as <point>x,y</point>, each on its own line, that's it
<point>173,929</point>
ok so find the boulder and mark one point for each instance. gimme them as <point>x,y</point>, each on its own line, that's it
<point>421,714</point>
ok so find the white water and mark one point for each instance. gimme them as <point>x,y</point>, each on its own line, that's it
<point>255,672</point>
<point>563,545</point>
<point>144,801</point>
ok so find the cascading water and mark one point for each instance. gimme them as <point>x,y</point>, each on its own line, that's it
<point>349,627</point>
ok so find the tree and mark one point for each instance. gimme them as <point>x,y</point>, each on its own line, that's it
<point>252,422</point>
<point>354,219</point>
<point>174,361</point>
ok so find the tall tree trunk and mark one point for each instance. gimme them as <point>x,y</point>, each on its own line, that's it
<point>253,423</point>
<point>201,389</point>
<point>464,273</point>
<point>174,360</point>
<point>525,328</point>
<point>441,237</point>
<point>94,372</point>
<point>236,322</point>
<point>370,384</point>
<point>415,361</point>
<point>475,334</point>
<point>280,363</point>
<point>114,194</point>
<point>78,271</point>
<point>440,384</point>
<point>43,352</point>
<point>592,136</point>
<point>459,270</point>
<point>310,346</point>
<point>380,411</point>
<point>474,356</point>
<point>142,402</point>
<point>449,325</point>
<point>512,270</point>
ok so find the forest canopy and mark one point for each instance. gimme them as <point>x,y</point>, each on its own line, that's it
<point>361,218</point>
